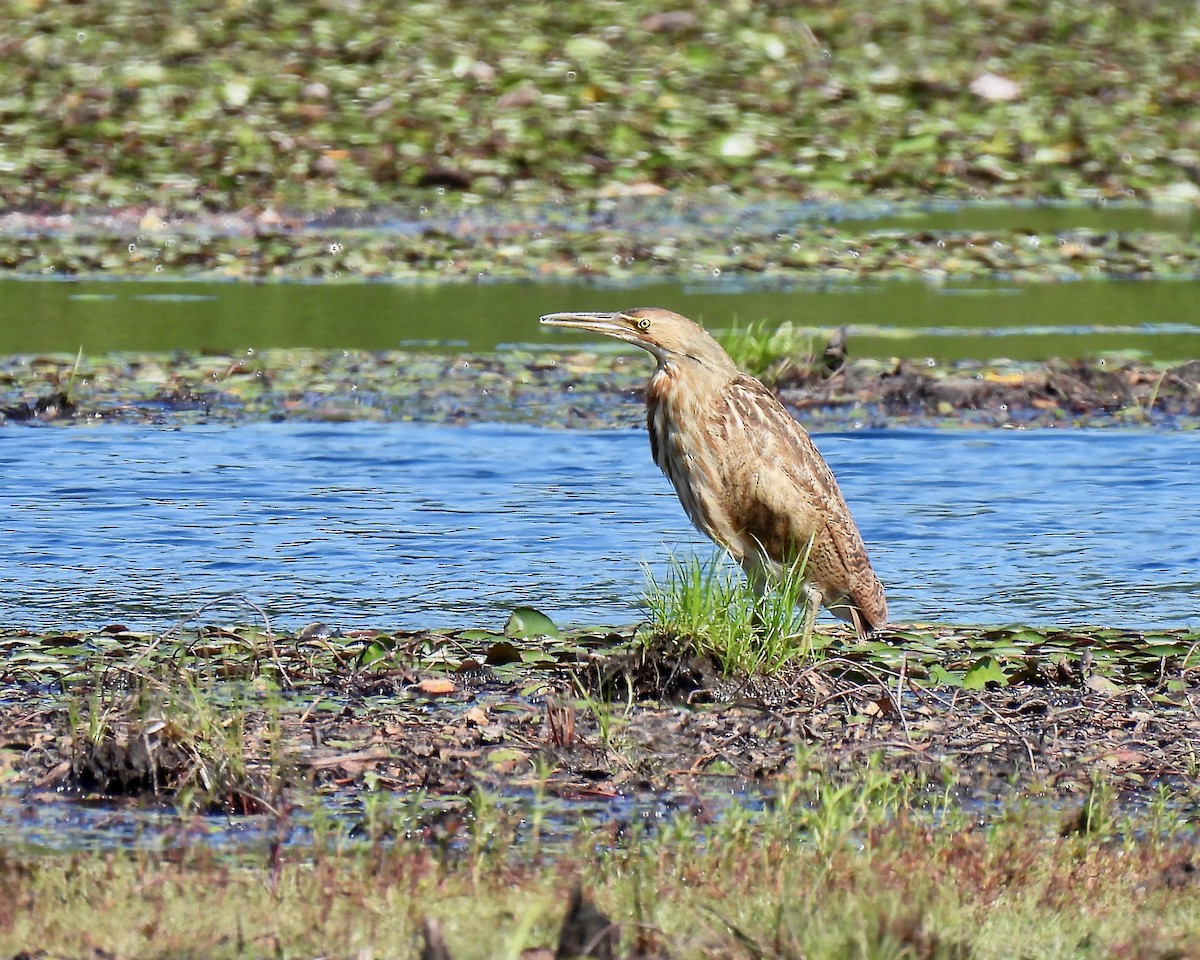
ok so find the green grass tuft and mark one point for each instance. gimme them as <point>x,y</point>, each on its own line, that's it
<point>708,606</point>
<point>767,351</point>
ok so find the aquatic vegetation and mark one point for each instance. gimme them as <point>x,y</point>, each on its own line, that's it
<point>517,387</point>
<point>202,111</point>
<point>201,723</point>
<point>769,352</point>
<point>243,714</point>
<point>1051,805</point>
<point>709,610</point>
<point>468,141</point>
<point>724,244</point>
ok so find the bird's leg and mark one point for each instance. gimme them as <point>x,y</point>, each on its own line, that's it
<point>756,573</point>
<point>812,606</point>
<point>859,628</point>
<point>756,576</point>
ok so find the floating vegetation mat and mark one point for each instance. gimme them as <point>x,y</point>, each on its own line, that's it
<point>631,240</point>
<point>583,389</point>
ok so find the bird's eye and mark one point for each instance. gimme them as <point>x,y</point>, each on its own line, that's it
<point>643,324</point>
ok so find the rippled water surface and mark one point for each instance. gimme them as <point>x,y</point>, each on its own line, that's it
<point>412,526</point>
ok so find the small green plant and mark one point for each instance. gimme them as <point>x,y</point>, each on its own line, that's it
<point>1096,817</point>
<point>537,809</point>
<point>488,838</point>
<point>768,352</point>
<point>212,734</point>
<point>708,605</point>
<point>377,823</point>
<point>608,720</point>
<point>89,721</point>
<point>67,390</point>
<point>172,735</point>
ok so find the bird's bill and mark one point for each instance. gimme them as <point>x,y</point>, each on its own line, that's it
<point>619,326</point>
<point>610,323</point>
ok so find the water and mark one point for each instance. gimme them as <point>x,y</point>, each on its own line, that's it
<point>949,215</point>
<point>60,823</point>
<point>402,525</point>
<point>903,319</point>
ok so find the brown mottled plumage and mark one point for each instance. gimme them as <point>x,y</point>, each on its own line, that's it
<point>746,472</point>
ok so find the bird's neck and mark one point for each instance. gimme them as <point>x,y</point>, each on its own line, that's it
<point>678,395</point>
<point>701,380</point>
<point>663,382</point>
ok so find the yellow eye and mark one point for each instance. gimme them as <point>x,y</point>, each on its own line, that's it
<point>643,324</point>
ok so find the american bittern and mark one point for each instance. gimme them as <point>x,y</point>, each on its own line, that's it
<point>747,474</point>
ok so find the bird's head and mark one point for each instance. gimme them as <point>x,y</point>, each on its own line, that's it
<point>668,336</point>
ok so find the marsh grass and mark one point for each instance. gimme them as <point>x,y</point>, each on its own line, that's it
<point>610,715</point>
<point>707,606</point>
<point>863,866</point>
<point>172,732</point>
<point>767,351</point>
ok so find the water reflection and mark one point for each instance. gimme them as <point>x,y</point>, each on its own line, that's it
<point>401,525</point>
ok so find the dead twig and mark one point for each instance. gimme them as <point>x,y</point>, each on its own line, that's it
<point>1004,721</point>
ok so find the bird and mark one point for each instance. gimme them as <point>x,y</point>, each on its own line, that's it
<point>746,472</point>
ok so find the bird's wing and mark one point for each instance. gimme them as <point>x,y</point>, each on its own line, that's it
<point>787,490</point>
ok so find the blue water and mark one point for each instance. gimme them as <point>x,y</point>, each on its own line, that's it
<point>400,525</point>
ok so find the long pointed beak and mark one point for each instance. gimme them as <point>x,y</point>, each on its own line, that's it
<point>619,326</point>
<point>595,322</point>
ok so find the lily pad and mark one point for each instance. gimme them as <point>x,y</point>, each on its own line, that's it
<point>526,623</point>
<point>940,676</point>
<point>985,670</point>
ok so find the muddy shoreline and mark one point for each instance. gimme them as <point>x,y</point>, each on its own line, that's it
<point>981,715</point>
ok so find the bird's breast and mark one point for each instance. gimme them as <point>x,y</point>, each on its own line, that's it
<point>658,414</point>
<point>683,448</point>
<point>670,421</point>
